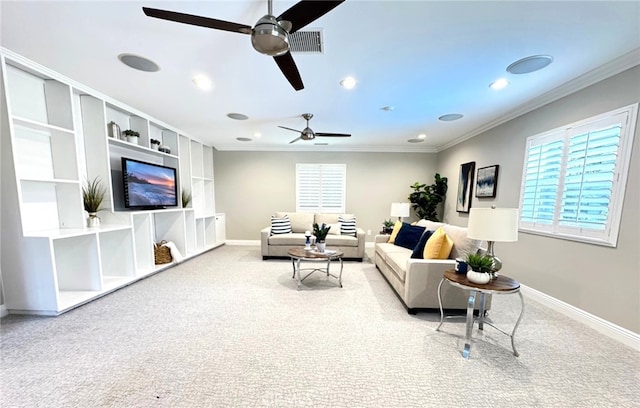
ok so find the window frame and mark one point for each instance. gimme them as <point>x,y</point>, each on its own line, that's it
<point>608,237</point>
<point>321,208</point>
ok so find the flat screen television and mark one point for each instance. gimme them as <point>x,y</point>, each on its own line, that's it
<point>148,185</point>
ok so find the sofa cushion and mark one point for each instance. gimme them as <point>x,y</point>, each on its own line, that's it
<point>408,236</point>
<point>280,225</point>
<point>341,240</point>
<point>438,246</point>
<point>418,250</point>
<point>394,233</point>
<point>300,222</point>
<point>334,228</point>
<point>291,239</point>
<point>461,244</point>
<point>398,262</point>
<point>348,224</point>
<point>430,225</point>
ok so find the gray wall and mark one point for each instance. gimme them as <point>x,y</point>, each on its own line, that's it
<point>252,186</point>
<point>600,280</point>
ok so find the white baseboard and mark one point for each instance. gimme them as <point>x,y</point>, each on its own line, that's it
<point>616,332</point>
<point>3,311</point>
<point>242,242</point>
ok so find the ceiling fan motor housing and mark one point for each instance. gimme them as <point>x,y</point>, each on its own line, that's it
<point>270,37</point>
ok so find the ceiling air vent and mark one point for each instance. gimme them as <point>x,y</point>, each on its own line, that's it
<point>306,41</point>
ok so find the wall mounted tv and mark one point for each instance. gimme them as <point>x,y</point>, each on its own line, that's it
<point>148,185</point>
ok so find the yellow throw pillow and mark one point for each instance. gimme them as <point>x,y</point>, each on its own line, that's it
<point>438,246</point>
<point>394,233</point>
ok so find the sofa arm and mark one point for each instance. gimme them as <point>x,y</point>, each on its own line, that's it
<point>381,238</point>
<point>265,233</point>
<point>421,282</point>
<point>362,238</point>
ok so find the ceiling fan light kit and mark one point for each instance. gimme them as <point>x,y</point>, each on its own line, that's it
<point>270,34</point>
<point>308,134</point>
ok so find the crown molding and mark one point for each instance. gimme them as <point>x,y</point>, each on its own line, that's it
<point>318,149</point>
<point>614,67</point>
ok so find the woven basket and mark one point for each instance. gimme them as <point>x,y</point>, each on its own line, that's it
<point>161,253</point>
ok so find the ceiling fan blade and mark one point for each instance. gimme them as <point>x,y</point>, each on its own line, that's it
<point>295,140</point>
<point>305,12</point>
<point>197,20</point>
<point>288,67</point>
<point>332,134</point>
<point>295,130</point>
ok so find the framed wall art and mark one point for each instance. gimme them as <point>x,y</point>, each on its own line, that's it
<point>487,181</point>
<point>465,186</point>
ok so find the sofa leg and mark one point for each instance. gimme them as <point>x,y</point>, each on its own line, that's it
<point>411,311</point>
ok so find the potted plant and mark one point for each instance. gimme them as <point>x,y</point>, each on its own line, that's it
<point>426,199</point>
<point>155,143</point>
<point>185,195</point>
<point>480,267</point>
<point>132,136</point>
<point>387,226</point>
<point>320,232</point>
<point>92,196</point>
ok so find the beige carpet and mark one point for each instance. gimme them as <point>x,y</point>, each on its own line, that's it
<point>227,329</point>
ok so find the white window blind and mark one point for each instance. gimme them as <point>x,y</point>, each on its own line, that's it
<point>320,187</point>
<point>574,178</point>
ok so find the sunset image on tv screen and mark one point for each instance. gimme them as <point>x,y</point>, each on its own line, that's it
<point>150,185</point>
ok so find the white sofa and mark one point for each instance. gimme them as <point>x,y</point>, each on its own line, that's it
<point>278,245</point>
<point>416,281</point>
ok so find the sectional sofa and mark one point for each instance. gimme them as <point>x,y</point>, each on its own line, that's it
<point>278,245</point>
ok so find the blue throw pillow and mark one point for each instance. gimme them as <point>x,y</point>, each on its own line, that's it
<point>408,236</point>
<point>418,251</point>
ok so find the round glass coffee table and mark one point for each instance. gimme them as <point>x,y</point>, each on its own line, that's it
<point>300,254</point>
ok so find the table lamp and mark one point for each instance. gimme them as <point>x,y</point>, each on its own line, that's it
<point>400,210</point>
<point>493,225</point>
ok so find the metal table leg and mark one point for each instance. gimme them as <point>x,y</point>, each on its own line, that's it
<point>513,345</point>
<point>297,269</point>
<point>470,303</point>
<point>440,303</point>
<point>340,275</point>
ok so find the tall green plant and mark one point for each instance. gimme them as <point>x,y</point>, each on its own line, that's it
<point>93,194</point>
<point>425,199</point>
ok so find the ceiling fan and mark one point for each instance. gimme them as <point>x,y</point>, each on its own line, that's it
<point>308,134</point>
<point>270,35</point>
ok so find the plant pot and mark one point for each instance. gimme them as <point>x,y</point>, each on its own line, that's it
<point>93,221</point>
<point>478,277</point>
<point>154,146</point>
<point>132,139</point>
<point>321,246</point>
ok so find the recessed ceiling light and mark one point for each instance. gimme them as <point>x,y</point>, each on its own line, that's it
<point>530,64</point>
<point>422,136</point>
<point>499,83</point>
<point>138,62</point>
<point>243,139</point>
<point>387,108</point>
<point>257,135</point>
<point>450,117</point>
<point>237,116</point>
<point>348,82</point>
<point>415,140</point>
<point>202,81</point>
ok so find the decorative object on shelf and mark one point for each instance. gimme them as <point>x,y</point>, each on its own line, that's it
<point>113,130</point>
<point>320,232</point>
<point>465,185</point>
<point>164,149</point>
<point>487,181</point>
<point>155,144</point>
<point>479,270</point>
<point>493,225</point>
<point>426,200</point>
<point>185,195</point>
<point>161,253</point>
<point>92,196</point>
<point>387,226</point>
<point>132,136</point>
<point>307,242</point>
<point>400,210</point>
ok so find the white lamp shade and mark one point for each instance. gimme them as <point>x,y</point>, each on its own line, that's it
<point>400,209</point>
<point>493,224</point>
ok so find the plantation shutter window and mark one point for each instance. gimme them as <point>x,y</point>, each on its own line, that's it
<point>320,187</point>
<point>574,178</point>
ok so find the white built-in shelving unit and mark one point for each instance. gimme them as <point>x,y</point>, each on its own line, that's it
<point>54,138</point>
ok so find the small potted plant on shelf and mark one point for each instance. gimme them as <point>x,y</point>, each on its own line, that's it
<point>131,135</point>
<point>480,268</point>
<point>92,196</point>
<point>320,232</point>
<point>155,143</point>
<point>387,226</point>
<point>185,195</point>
